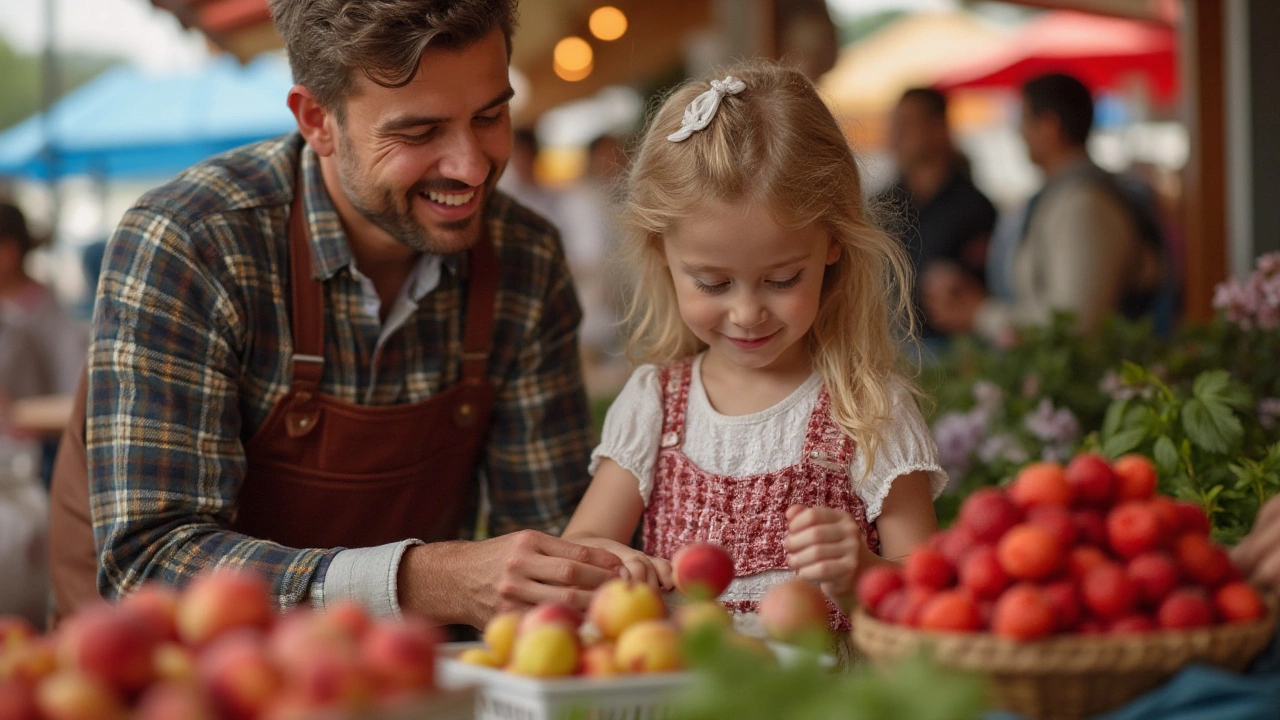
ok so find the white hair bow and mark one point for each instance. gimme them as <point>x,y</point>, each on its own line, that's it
<point>703,108</point>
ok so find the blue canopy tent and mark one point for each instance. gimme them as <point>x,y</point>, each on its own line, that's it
<point>128,124</point>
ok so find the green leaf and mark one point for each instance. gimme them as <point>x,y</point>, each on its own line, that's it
<point>1124,441</point>
<point>1115,417</point>
<point>1217,385</point>
<point>1166,455</point>
<point>1209,428</point>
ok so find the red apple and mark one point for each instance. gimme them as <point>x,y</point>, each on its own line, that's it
<point>702,570</point>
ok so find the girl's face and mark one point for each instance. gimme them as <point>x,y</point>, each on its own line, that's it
<point>746,286</point>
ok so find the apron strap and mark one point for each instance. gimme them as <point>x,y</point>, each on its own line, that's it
<point>478,340</point>
<point>307,318</point>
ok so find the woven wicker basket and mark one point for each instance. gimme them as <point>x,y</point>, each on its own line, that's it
<point>1071,677</point>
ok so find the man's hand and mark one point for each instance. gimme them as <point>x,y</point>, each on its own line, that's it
<point>1258,555</point>
<point>826,546</point>
<point>470,582</point>
<point>950,298</point>
<point>654,571</point>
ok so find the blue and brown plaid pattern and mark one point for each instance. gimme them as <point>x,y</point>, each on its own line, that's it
<point>190,351</point>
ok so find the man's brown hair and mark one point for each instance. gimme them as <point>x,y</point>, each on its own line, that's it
<point>330,40</point>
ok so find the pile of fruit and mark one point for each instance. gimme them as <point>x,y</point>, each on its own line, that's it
<point>216,651</point>
<point>1086,548</point>
<point>627,628</point>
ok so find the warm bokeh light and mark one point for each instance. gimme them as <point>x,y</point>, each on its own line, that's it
<point>608,23</point>
<point>573,54</point>
<point>566,74</point>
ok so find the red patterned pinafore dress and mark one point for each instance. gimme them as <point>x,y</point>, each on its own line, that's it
<point>745,515</point>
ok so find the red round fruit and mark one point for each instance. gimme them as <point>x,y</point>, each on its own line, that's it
<point>982,574</point>
<point>928,568</point>
<point>1023,613</point>
<point>890,607</point>
<point>988,513</point>
<point>1108,592</point>
<point>950,611</point>
<point>1082,559</point>
<point>1239,602</point>
<point>954,543</point>
<point>876,583</point>
<point>1064,598</point>
<point>1135,478</point>
<point>1057,521</point>
<point>912,604</point>
<point>1185,609</point>
<point>1040,483</point>
<point>1131,624</point>
<point>1167,514</point>
<point>1133,529</point>
<point>1192,517</point>
<point>1155,574</point>
<point>1092,480</point>
<point>1029,552</point>
<point>702,570</point>
<point>1091,526</point>
<point>1201,560</point>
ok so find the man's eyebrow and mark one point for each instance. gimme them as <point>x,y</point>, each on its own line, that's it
<point>409,121</point>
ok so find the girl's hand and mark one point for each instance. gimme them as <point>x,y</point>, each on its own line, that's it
<point>656,572</point>
<point>826,546</point>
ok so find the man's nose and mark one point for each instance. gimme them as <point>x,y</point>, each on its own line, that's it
<point>464,160</point>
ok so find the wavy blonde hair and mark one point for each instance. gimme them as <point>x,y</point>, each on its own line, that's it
<point>775,143</point>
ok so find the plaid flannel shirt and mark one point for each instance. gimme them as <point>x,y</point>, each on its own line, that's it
<point>191,347</point>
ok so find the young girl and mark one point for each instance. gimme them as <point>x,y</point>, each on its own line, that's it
<point>770,419</point>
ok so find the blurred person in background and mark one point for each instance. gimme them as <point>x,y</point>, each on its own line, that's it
<point>521,181</point>
<point>1087,245</point>
<point>589,231</point>
<point>939,214</point>
<point>56,345</point>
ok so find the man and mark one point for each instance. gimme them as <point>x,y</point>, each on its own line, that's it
<point>54,344</point>
<point>944,218</point>
<point>1084,249</point>
<point>307,352</point>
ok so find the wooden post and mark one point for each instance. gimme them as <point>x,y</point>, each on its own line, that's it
<point>1204,187</point>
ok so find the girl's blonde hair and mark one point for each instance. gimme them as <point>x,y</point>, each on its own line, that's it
<point>775,143</point>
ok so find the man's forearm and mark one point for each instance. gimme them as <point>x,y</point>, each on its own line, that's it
<point>432,581</point>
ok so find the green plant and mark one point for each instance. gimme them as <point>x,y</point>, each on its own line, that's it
<point>742,685</point>
<point>1206,442</point>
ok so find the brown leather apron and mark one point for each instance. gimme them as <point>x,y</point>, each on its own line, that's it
<point>323,472</point>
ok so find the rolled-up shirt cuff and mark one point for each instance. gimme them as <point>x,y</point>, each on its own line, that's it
<point>366,576</point>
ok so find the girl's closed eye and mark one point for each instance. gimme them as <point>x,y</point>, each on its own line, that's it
<point>788,283</point>
<point>711,288</point>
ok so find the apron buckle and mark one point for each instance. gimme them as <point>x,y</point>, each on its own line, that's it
<point>299,423</point>
<point>464,415</point>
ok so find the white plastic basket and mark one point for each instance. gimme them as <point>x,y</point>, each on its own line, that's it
<point>504,696</point>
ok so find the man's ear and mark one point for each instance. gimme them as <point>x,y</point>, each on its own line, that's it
<point>318,125</point>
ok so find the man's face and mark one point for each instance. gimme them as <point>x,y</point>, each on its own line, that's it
<point>420,162</point>
<point>914,134</point>
<point>1039,132</point>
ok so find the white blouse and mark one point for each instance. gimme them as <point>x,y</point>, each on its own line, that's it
<point>761,442</point>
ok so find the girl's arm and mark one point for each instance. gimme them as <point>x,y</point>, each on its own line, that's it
<point>607,518</point>
<point>827,547</point>
<point>907,519</point>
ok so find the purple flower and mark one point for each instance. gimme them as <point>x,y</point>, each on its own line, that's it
<point>1268,412</point>
<point>1002,446</point>
<point>1254,303</point>
<point>957,435</point>
<point>1053,426</point>
<point>988,395</point>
